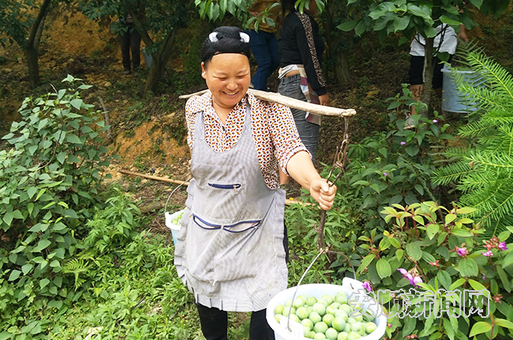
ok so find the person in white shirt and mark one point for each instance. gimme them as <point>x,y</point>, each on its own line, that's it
<point>446,41</point>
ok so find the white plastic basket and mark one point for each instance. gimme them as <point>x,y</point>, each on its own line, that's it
<point>169,223</point>
<point>317,290</point>
<point>169,217</point>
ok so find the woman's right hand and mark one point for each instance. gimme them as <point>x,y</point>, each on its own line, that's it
<point>324,100</point>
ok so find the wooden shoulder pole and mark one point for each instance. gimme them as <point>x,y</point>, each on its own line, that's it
<point>291,102</point>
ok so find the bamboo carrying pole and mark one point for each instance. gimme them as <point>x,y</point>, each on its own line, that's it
<point>291,102</point>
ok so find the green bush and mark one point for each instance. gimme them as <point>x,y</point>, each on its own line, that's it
<point>49,182</point>
<point>394,166</point>
<point>437,250</point>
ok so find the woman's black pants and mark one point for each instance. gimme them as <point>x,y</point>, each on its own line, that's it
<point>214,324</point>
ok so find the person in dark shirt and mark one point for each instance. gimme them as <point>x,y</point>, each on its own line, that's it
<point>263,43</point>
<point>130,41</point>
<point>300,51</point>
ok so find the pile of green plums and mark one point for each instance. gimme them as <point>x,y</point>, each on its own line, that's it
<point>329,317</point>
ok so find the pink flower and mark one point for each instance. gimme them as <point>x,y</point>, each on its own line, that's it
<point>414,279</point>
<point>367,286</point>
<point>403,143</point>
<point>461,251</point>
<point>385,174</point>
<point>488,253</point>
<point>435,121</point>
<point>502,246</point>
<point>403,271</point>
<point>484,277</point>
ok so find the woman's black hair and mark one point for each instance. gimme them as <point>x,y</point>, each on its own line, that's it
<point>225,39</point>
<point>286,6</point>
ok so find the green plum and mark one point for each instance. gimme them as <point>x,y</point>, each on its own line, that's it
<point>315,317</point>
<point>331,334</point>
<point>320,327</point>
<point>328,319</point>
<point>319,308</point>
<point>370,327</point>
<point>339,323</point>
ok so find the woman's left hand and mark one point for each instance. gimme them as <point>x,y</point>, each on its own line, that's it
<point>323,193</point>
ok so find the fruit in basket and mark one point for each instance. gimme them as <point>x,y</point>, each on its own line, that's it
<point>329,318</point>
<point>176,219</point>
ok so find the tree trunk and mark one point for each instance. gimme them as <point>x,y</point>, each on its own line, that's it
<point>32,56</point>
<point>160,59</point>
<point>334,40</point>
<point>31,46</point>
<point>428,75</point>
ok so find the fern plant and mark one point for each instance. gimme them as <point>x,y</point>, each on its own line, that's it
<point>484,167</point>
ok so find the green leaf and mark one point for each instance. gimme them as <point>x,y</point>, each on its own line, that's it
<point>399,254</point>
<point>61,157</point>
<point>71,138</point>
<point>428,257</point>
<point>444,278</point>
<point>360,28</point>
<point>476,285</point>
<point>42,244</point>
<point>8,218</point>
<point>375,187</point>
<point>431,230</point>
<point>461,233</point>
<point>468,267</point>
<point>43,283</point>
<point>466,210</point>
<point>457,283</point>
<point>477,3</point>
<point>15,274</point>
<point>77,103</point>
<point>365,262</point>
<point>31,192</point>
<point>449,218</point>
<point>402,23</point>
<point>480,327</point>
<point>27,268</point>
<point>504,278</point>
<point>451,22</point>
<point>395,242</point>
<point>347,26</point>
<point>503,323</point>
<point>383,268</point>
<point>414,251</point>
<point>508,260</point>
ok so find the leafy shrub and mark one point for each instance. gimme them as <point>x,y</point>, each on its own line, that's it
<point>394,167</point>
<point>49,182</point>
<point>437,250</point>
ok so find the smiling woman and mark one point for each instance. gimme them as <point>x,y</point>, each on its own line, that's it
<point>231,250</point>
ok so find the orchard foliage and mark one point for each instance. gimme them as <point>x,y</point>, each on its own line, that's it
<point>217,9</point>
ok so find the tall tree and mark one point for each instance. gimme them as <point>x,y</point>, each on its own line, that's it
<point>22,22</point>
<point>409,17</point>
<point>156,21</point>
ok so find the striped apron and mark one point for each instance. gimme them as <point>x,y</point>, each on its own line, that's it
<point>229,251</point>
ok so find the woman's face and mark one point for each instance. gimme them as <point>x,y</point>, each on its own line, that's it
<point>228,76</point>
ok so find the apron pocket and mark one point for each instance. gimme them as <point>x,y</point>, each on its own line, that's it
<point>237,255</point>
